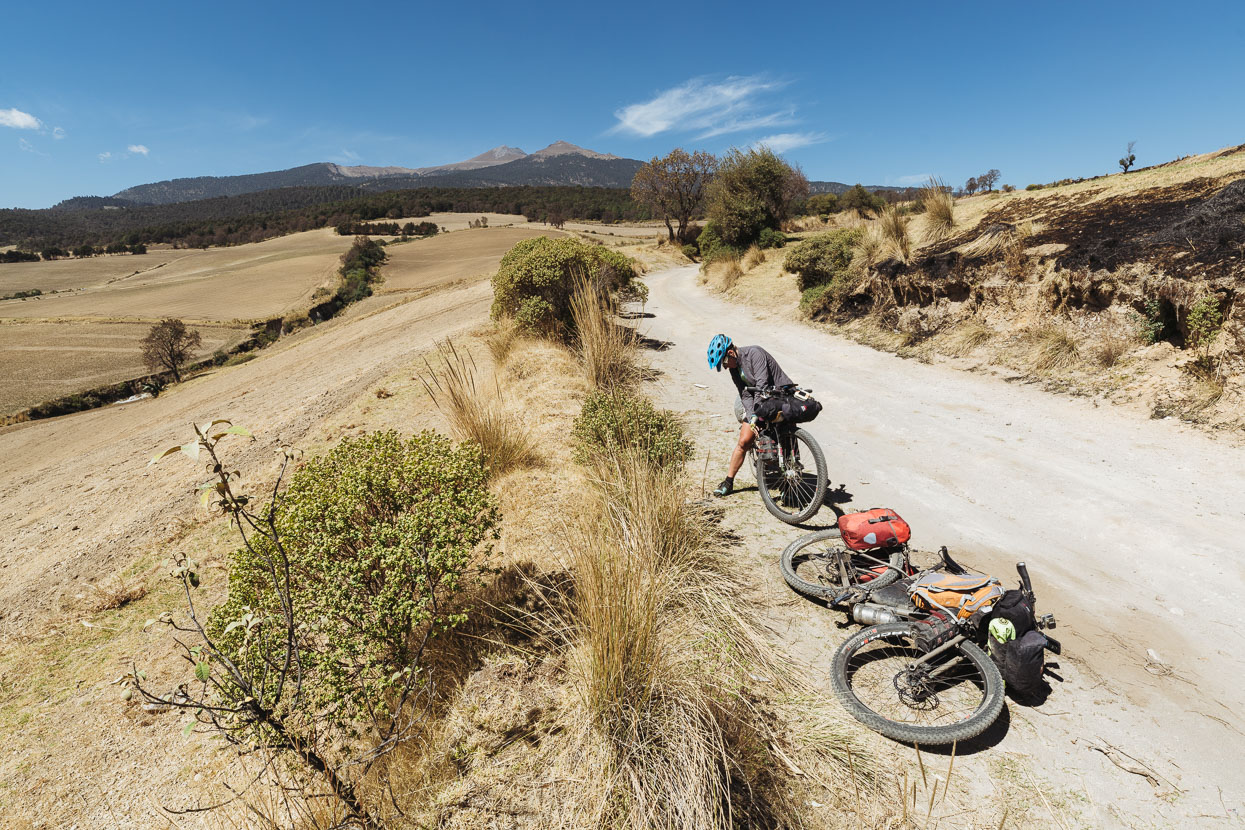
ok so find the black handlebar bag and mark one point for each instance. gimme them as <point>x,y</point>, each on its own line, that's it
<point>795,406</point>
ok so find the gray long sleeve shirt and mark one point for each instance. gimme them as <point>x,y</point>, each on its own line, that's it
<point>757,367</point>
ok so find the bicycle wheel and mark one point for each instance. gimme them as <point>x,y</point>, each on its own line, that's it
<point>792,492</point>
<point>810,565</point>
<point>953,696</point>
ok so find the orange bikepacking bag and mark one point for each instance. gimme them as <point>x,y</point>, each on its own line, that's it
<point>880,527</point>
<point>960,596</point>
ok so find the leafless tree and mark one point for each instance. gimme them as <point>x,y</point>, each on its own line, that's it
<point>1129,159</point>
<point>169,345</point>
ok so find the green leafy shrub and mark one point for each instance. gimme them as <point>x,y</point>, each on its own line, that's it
<point>862,200</point>
<point>377,536</point>
<point>1033,187</point>
<point>1203,322</point>
<point>711,244</point>
<point>535,281</point>
<point>819,259</point>
<point>690,251</point>
<point>770,238</point>
<point>1157,322</point>
<point>611,422</point>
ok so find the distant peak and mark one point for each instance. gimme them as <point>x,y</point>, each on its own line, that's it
<point>565,148</point>
<point>502,153</point>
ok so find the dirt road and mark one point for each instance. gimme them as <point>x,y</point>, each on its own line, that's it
<point>1132,529</point>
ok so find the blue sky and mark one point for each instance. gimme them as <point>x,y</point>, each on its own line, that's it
<point>97,97</point>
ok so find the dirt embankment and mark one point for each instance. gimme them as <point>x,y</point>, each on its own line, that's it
<point>1125,287</point>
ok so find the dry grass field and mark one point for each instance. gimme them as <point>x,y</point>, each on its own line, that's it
<point>446,258</point>
<point>43,361</point>
<point>88,336</point>
<point>244,282</point>
<point>462,221</point>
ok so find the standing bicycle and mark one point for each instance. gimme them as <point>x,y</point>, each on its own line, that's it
<point>790,466</point>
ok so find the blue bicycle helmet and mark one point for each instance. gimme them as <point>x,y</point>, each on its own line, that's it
<point>717,350</point>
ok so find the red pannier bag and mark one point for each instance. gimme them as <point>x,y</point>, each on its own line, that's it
<point>880,527</point>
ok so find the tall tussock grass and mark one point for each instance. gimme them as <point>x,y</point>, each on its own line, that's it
<point>894,229</point>
<point>967,337</point>
<point>939,207</point>
<point>754,257</point>
<point>477,414</point>
<point>662,641</point>
<point>605,347</point>
<point>502,341</point>
<point>724,272</point>
<point>1052,348</point>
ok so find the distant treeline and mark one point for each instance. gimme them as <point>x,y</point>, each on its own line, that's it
<point>252,217</point>
<point>54,252</point>
<point>388,229</point>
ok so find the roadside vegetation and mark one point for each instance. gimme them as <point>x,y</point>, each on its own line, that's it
<point>377,642</point>
<point>1025,280</point>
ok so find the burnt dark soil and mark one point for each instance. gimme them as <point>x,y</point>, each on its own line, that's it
<point>1196,228</point>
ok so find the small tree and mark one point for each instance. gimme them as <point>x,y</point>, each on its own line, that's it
<point>674,187</point>
<point>753,190</point>
<point>856,197</point>
<point>970,186</point>
<point>1129,159</point>
<point>987,179</point>
<point>168,345</point>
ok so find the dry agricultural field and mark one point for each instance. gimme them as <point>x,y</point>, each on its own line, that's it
<point>87,334</point>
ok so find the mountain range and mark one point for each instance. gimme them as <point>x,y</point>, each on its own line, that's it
<point>561,163</point>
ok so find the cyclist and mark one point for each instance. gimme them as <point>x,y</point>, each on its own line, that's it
<point>749,366</point>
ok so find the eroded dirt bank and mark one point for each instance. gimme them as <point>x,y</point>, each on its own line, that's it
<point>1131,528</point>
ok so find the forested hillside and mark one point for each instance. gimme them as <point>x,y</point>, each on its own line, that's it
<point>255,216</point>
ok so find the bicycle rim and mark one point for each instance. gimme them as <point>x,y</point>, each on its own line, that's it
<point>880,677</point>
<point>794,489</point>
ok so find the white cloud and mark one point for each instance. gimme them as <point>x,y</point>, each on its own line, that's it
<point>138,149</point>
<point>19,120</point>
<point>349,155</point>
<point>711,108</point>
<point>58,133</point>
<point>103,157</point>
<point>914,179</point>
<point>782,142</point>
<point>25,145</point>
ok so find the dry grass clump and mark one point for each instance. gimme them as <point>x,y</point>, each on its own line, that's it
<point>605,347</point>
<point>477,414</point>
<point>868,250</point>
<point>501,342</point>
<point>939,207</point>
<point>754,257</point>
<point>894,229</point>
<point>967,337</point>
<point>116,592</point>
<point>1115,339</point>
<point>661,640</point>
<point>1052,348</point>
<point>723,273</point>
<point>996,239</point>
